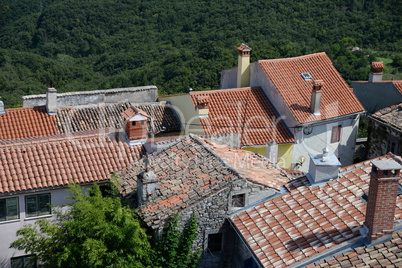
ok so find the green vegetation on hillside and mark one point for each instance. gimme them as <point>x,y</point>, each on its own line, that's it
<point>178,44</point>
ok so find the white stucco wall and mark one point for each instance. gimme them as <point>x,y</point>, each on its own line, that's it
<point>320,137</point>
<point>229,78</point>
<point>8,229</point>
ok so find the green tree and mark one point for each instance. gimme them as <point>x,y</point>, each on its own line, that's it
<point>92,231</point>
<point>175,248</point>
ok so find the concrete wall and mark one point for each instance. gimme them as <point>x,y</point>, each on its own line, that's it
<point>229,78</point>
<point>375,96</point>
<point>132,94</point>
<point>320,137</point>
<point>186,112</point>
<point>8,229</point>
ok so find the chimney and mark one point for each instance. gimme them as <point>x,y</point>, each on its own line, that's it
<point>323,166</point>
<point>203,106</point>
<point>272,151</point>
<point>375,74</point>
<point>2,111</point>
<point>146,184</point>
<point>135,125</point>
<point>243,69</point>
<point>51,101</point>
<point>381,202</point>
<point>316,95</point>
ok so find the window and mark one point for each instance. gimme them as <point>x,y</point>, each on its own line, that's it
<point>133,123</point>
<point>9,209</point>
<point>306,76</point>
<point>37,205</point>
<point>239,200</point>
<point>336,134</point>
<point>23,262</point>
<point>215,242</point>
<point>392,146</point>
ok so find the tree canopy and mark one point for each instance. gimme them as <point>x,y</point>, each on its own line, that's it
<point>93,231</point>
<point>178,44</point>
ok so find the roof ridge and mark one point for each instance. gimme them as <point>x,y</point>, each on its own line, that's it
<point>25,108</point>
<point>224,90</point>
<point>297,57</point>
<point>58,137</point>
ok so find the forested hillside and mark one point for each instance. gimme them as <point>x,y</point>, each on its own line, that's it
<point>178,44</point>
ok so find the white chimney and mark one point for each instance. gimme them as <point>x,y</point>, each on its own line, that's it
<point>316,95</point>
<point>2,111</point>
<point>272,151</point>
<point>323,166</point>
<point>51,101</point>
<point>375,74</point>
<point>243,69</point>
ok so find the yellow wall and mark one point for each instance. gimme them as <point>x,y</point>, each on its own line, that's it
<point>243,72</point>
<point>186,112</point>
<point>284,153</point>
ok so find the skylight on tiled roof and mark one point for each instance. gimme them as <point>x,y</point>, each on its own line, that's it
<point>306,76</point>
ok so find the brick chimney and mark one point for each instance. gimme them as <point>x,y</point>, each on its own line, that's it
<point>51,101</point>
<point>135,125</point>
<point>316,95</point>
<point>2,111</point>
<point>375,74</point>
<point>381,202</point>
<point>202,106</point>
<point>243,69</point>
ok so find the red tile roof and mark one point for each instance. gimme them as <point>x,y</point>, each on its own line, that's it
<point>337,98</point>
<point>398,85</point>
<point>390,115</point>
<point>194,168</point>
<point>308,220</point>
<point>34,163</point>
<point>388,254</point>
<point>243,110</point>
<point>35,122</point>
<point>26,122</point>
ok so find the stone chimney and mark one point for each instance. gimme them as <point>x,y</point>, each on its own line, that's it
<point>381,202</point>
<point>203,106</point>
<point>51,101</point>
<point>135,125</point>
<point>146,184</point>
<point>316,95</point>
<point>2,111</point>
<point>323,166</point>
<point>375,74</point>
<point>243,69</point>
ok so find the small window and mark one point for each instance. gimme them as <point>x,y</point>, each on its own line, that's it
<point>133,123</point>
<point>9,209</point>
<point>37,205</point>
<point>336,134</point>
<point>23,262</point>
<point>306,76</point>
<point>392,146</point>
<point>215,242</point>
<point>239,200</point>
<point>142,123</point>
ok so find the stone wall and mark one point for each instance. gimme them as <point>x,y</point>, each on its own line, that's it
<point>132,94</point>
<point>379,137</point>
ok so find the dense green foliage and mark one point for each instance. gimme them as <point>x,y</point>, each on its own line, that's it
<point>178,44</point>
<point>175,248</point>
<point>95,231</point>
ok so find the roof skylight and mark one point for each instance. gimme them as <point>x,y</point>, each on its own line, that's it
<point>306,76</point>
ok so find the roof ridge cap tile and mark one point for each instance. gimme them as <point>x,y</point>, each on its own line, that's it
<point>297,57</point>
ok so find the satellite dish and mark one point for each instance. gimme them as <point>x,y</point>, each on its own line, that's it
<point>301,159</point>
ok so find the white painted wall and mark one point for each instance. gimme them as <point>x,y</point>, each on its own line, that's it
<point>8,229</point>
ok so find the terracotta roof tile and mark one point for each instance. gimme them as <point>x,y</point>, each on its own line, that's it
<point>52,161</point>
<point>391,115</point>
<point>308,219</point>
<point>26,122</point>
<point>243,110</point>
<point>194,168</point>
<point>337,98</point>
<point>398,85</point>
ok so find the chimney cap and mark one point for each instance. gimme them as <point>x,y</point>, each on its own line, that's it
<point>377,66</point>
<point>244,47</point>
<point>386,164</point>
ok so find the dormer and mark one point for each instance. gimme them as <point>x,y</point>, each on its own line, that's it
<point>202,106</point>
<point>135,125</point>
